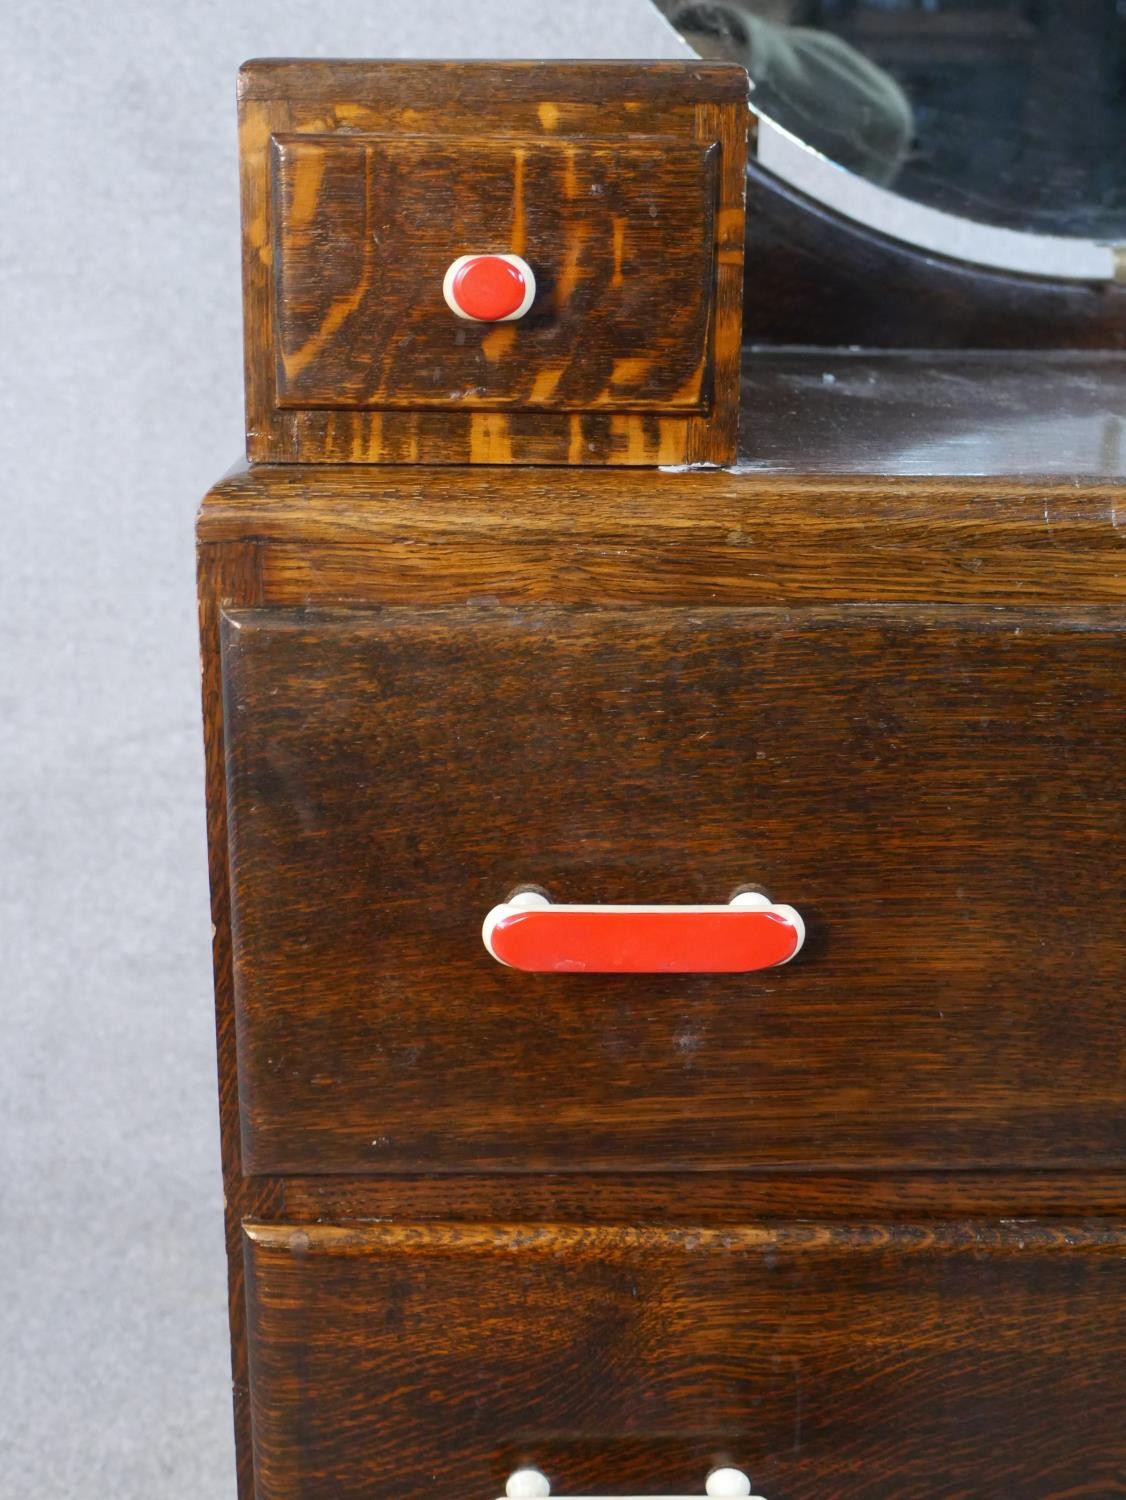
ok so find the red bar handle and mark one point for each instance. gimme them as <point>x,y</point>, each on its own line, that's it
<point>530,932</point>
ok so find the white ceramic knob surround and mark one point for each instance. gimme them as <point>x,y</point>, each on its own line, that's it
<point>721,1484</point>
<point>489,288</point>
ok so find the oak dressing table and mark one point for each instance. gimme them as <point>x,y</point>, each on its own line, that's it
<point>770,707</point>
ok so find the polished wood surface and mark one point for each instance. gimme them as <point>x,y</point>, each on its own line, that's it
<point>937,1361</point>
<point>927,786</point>
<point>932,413</point>
<point>814,277</point>
<point>621,184</point>
<point>930,416</point>
<point>339,536</point>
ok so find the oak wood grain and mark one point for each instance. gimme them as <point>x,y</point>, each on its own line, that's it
<point>345,241</point>
<point>619,234</point>
<point>941,1361</point>
<point>224,574</point>
<point>940,792</point>
<point>702,1198</point>
<point>340,535</point>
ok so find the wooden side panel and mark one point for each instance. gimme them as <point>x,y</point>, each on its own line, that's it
<point>939,792</point>
<point>936,1363</point>
<point>228,575</point>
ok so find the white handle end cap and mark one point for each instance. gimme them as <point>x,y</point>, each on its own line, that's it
<point>527,1484</point>
<point>726,1484</point>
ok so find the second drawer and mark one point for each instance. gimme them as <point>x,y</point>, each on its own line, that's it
<point>939,792</point>
<point>931,1363</point>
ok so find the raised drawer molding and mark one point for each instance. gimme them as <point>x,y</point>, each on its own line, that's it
<point>894,771</point>
<point>620,187</point>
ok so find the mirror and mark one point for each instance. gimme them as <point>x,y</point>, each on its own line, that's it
<point>989,130</point>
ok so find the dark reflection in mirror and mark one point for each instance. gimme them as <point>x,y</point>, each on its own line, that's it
<point>1012,112</point>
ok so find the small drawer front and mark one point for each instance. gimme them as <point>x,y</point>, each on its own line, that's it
<point>941,1362</point>
<point>936,796</point>
<point>620,238</point>
<point>493,262</point>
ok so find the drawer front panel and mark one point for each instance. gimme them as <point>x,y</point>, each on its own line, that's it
<point>620,237</point>
<point>939,794</point>
<point>932,1364</point>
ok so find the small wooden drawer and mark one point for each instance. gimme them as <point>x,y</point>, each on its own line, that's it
<point>937,791</point>
<point>613,196</point>
<point>931,1363</point>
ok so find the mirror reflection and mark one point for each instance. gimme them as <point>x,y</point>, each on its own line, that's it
<point>1010,112</point>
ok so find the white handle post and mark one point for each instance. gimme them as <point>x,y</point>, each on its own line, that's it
<point>721,1484</point>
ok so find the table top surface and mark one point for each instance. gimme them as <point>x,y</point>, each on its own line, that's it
<point>934,413</point>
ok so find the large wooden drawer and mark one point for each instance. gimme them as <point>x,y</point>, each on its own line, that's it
<point>939,791</point>
<point>937,1363</point>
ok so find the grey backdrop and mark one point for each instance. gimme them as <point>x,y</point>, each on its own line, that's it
<point>120,401</point>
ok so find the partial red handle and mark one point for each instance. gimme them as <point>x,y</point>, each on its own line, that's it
<point>530,932</point>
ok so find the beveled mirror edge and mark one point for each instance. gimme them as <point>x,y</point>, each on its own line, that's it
<point>1059,257</point>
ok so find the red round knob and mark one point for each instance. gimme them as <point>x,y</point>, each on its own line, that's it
<point>489,288</point>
